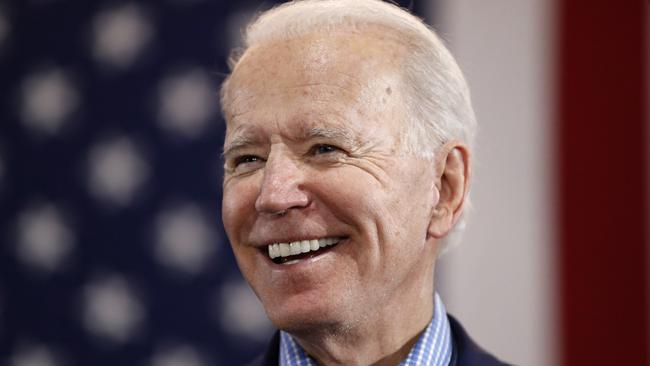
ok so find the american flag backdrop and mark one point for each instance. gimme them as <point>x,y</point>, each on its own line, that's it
<point>112,250</point>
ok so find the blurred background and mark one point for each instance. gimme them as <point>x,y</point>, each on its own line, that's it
<point>111,245</point>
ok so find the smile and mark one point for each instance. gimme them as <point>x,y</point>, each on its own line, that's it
<point>286,252</point>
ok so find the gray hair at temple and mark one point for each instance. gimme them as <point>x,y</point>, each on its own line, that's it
<point>438,103</point>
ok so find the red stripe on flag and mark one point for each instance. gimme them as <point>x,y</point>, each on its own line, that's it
<point>603,182</point>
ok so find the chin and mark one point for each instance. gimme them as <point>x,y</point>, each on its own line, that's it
<point>301,316</point>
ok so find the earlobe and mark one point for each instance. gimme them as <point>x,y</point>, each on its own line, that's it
<point>452,182</point>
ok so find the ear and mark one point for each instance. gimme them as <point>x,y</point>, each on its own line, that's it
<point>453,173</point>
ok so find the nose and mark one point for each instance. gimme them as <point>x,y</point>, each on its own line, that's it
<point>282,186</point>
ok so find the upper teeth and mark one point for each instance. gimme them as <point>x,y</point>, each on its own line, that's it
<point>300,246</point>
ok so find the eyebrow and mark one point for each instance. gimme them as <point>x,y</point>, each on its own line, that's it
<point>338,134</point>
<point>237,143</point>
<point>341,135</point>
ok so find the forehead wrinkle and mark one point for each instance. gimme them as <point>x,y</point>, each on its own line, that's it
<point>240,104</point>
<point>235,101</point>
<point>310,85</point>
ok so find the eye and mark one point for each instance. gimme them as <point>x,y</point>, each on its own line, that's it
<point>323,149</point>
<point>245,159</point>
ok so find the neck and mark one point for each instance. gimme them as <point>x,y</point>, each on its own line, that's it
<point>383,337</point>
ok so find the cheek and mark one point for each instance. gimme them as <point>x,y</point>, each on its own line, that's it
<point>348,193</point>
<point>238,206</point>
<point>359,201</point>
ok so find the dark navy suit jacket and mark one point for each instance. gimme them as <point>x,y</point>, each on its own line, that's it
<point>465,351</point>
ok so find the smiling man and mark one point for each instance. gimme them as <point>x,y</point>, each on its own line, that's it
<point>347,166</point>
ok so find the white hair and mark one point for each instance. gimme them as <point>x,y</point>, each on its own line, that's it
<point>437,96</point>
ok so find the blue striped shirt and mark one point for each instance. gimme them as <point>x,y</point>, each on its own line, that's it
<point>433,348</point>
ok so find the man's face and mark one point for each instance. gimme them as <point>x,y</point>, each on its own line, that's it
<point>312,153</point>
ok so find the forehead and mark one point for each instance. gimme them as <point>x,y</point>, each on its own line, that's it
<point>336,73</point>
<point>315,54</point>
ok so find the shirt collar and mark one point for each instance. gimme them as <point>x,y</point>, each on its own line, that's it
<point>433,348</point>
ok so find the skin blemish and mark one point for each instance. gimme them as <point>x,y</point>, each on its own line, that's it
<point>389,91</point>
